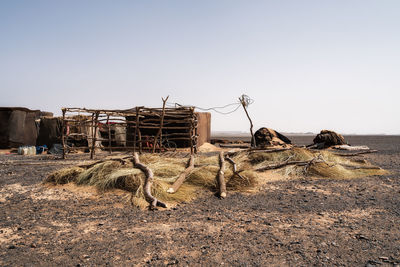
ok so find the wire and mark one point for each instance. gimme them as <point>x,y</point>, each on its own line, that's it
<point>246,100</point>
<point>212,108</point>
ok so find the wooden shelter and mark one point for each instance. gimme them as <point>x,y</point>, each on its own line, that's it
<point>18,127</point>
<point>137,129</point>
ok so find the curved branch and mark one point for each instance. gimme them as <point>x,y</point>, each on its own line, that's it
<point>154,202</point>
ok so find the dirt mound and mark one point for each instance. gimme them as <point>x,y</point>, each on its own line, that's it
<point>207,147</point>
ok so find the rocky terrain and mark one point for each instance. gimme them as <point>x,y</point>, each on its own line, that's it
<point>311,221</point>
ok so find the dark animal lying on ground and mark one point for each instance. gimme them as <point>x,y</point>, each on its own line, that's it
<point>327,139</point>
<point>269,137</point>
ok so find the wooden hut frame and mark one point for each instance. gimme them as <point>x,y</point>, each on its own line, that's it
<point>146,128</point>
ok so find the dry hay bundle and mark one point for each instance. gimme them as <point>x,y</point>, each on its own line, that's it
<point>120,174</point>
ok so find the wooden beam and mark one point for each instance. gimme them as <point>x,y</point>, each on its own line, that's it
<point>221,177</point>
<point>63,132</point>
<point>159,133</point>
<point>182,177</point>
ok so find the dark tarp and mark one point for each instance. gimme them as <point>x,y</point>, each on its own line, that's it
<point>18,127</point>
<point>49,131</point>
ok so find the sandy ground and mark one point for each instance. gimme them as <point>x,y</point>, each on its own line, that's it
<point>322,222</point>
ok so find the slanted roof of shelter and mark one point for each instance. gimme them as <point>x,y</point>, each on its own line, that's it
<point>18,108</point>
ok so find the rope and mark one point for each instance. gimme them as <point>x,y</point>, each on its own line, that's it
<point>245,98</point>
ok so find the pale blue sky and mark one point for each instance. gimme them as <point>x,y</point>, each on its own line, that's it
<point>308,65</point>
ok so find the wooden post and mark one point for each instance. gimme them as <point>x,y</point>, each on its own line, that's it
<point>137,131</point>
<point>134,137</point>
<point>178,182</point>
<point>191,133</point>
<point>109,133</point>
<point>220,177</point>
<point>63,132</point>
<point>196,133</point>
<point>94,129</point>
<point>253,141</point>
<point>159,133</point>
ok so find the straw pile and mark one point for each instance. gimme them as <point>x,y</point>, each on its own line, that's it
<point>120,174</point>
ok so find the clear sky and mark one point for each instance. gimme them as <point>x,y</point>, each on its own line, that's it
<point>308,65</point>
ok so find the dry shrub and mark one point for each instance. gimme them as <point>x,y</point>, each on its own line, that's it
<point>64,176</point>
<point>204,176</point>
<point>341,172</point>
<point>296,154</point>
<point>97,172</point>
<point>248,181</point>
<point>112,174</point>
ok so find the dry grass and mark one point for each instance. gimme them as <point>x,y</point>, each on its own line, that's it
<point>111,174</point>
<point>64,176</point>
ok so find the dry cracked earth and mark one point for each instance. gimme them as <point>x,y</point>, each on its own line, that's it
<point>307,222</point>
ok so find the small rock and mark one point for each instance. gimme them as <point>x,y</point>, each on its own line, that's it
<point>361,237</point>
<point>384,258</point>
<point>11,247</point>
<point>33,245</point>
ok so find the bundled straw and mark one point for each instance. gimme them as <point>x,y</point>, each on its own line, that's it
<point>115,174</point>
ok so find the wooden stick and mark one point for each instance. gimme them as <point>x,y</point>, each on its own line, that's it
<point>63,132</point>
<point>109,133</point>
<point>233,146</point>
<point>94,135</point>
<point>359,167</point>
<point>159,133</point>
<point>182,177</point>
<point>137,130</point>
<point>255,150</point>
<point>191,133</point>
<point>286,163</point>
<point>220,176</point>
<point>355,153</point>
<point>235,171</point>
<point>241,99</point>
<point>154,202</point>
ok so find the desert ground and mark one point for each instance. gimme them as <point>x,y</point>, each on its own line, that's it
<point>310,221</point>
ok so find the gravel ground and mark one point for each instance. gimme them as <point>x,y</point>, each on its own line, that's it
<point>322,222</point>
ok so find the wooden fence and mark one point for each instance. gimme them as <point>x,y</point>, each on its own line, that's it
<point>144,129</point>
